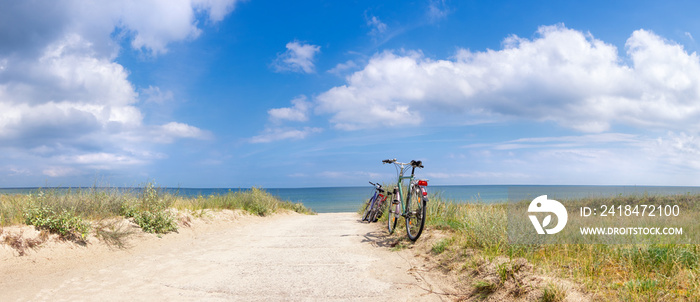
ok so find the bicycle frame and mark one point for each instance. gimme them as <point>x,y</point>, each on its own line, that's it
<point>413,206</point>
<point>399,189</point>
<point>402,168</point>
<point>377,199</point>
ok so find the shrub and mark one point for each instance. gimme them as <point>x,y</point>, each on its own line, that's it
<point>64,223</point>
<point>150,212</point>
<point>159,222</point>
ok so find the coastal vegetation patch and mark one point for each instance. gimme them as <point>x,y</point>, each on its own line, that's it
<point>74,214</point>
<point>477,245</point>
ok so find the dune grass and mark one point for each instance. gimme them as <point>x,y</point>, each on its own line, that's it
<point>617,272</point>
<point>255,201</point>
<point>75,213</point>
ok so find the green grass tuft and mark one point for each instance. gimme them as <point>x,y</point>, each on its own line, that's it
<point>553,293</point>
<point>440,246</point>
<point>68,212</point>
<point>625,272</point>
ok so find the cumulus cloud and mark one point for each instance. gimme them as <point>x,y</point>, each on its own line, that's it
<point>149,25</point>
<point>65,99</point>
<point>276,131</point>
<point>299,57</point>
<point>562,75</point>
<point>299,112</point>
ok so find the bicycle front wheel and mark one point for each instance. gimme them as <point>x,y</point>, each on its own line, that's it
<point>393,218</point>
<point>415,213</point>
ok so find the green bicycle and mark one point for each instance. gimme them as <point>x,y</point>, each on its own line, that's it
<point>413,207</point>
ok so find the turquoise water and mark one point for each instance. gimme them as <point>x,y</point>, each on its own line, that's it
<point>349,199</point>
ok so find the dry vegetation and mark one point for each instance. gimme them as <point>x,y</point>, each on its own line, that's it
<point>106,213</point>
<point>474,245</point>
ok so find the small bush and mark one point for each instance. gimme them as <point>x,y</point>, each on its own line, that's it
<point>128,209</point>
<point>64,223</point>
<point>159,222</point>
<point>256,208</point>
<point>150,212</point>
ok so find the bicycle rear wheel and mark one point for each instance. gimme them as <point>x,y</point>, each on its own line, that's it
<point>368,210</point>
<point>377,211</point>
<point>415,213</point>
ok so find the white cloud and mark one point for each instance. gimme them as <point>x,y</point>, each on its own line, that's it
<point>173,130</point>
<point>677,149</point>
<point>437,10</point>
<point>378,27</point>
<point>217,9</point>
<point>299,112</point>
<point>152,94</point>
<point>354,175</point>
<point>593,159</point>
<point>299,57</point>
<point>277,134</point>
<point>102,158</point>
<point>66,90</point>
<point>152,25</point>
<point>64,98</point>
<point>598,139</point>
<point>59,171</point>
<point>561,75</point>
<point>343,67</point>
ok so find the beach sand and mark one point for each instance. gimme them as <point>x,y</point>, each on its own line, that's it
<point>289,257</point>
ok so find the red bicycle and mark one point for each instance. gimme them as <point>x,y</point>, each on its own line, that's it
<point>375,205</point>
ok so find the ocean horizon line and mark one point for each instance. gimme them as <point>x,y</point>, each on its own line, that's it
<point>335,187</point>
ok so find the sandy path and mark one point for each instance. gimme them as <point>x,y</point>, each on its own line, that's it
<point>284,257</point>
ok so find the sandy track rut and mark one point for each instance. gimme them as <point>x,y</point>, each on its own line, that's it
<point>321,257</point>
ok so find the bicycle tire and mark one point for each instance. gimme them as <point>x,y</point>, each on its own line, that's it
<point>377,211</point>
<point>372,215</point>
<point>392,219</point>
<point>368,208</point>
<point>415,213</point>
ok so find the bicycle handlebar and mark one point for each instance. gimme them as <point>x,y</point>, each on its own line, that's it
<point>417,163</point>
<point>414,163</point>
<point>378,187</point>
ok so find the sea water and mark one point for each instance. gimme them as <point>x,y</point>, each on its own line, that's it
<point>349,199</point>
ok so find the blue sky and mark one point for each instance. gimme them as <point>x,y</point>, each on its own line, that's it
<point>206,93</point>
